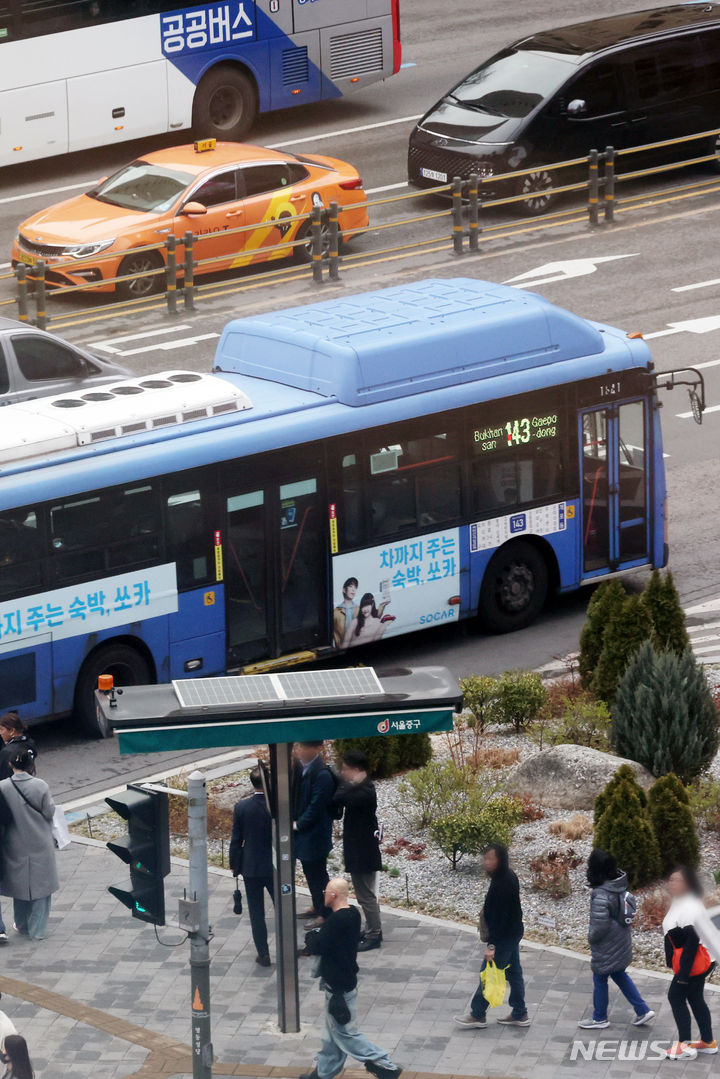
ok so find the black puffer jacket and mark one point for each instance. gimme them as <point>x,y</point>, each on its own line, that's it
<point>502,909</point>
<point>610,941</point>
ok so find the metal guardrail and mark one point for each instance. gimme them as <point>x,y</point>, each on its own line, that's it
<point>467,204</point>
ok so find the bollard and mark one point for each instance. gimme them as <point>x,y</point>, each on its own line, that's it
<point>317,252</point>
<point>189,284</point>
<point>334,246</point>
<point>40,298</point>
<point>457,216</point>
<point>171,275</point>
<point>22,292</point>
<point>593,186</point>
<point>610,183</point>
<point>473,214</point>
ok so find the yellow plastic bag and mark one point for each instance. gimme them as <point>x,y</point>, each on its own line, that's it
<point>493,982</point>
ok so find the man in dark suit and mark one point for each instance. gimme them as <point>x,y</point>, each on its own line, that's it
<point>313,823</point>
<point>361,847</point>
<point>251,858</point>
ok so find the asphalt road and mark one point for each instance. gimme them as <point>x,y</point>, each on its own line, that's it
<point>648,257</point>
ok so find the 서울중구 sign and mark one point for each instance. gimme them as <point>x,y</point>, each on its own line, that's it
<point>90,607</point>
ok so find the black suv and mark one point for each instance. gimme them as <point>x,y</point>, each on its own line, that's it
<point>622,81</point>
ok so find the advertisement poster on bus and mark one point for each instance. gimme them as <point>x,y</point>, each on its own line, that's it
<point>395,588</point>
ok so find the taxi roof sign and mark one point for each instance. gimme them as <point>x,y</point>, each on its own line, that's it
<point>203,145</point>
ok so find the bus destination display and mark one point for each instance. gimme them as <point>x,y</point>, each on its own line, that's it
<point>517,432</point>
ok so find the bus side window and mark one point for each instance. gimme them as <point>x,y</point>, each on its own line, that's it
<point>351,522</point>
<point>187,537</point>
<point>414,482</point>
<point>79,530</point>
<point>134,525</point>
<point>20,551</point>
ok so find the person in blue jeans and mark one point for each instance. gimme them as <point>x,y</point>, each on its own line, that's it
<point>502,922</point>
<point>612,910</point>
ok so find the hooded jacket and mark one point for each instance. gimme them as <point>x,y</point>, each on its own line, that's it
<point>610,941</point>
<point>502,909</point>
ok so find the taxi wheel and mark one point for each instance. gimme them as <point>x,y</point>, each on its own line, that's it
<point>140,286</point>
<point>225,104</point>
<point>303,251</point>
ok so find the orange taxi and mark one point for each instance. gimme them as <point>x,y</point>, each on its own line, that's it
<point>208,188</point>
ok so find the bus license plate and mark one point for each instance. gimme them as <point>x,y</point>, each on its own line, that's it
<point>29,260</point>
<point>431,174</point>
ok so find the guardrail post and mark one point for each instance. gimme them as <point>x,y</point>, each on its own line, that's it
<point>189,284</point>
<point>317,252</point>
<point>473,213</point>
<point>22,292</point>
<point>334,251</point>
<point>171,275</point>
<point>457,217</point>
<point>40,297</point>
<point>610,183</point>
<point>593,186</point>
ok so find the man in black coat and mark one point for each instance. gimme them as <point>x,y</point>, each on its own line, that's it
<point>356,798</point>
<point>502,916</point>
<point>251,858</point>
<point>314,789</point>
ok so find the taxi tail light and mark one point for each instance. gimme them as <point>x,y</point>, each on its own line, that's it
<point>351,185</point>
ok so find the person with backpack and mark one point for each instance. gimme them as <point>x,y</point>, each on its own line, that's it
<point>612,912</point>
<point>692,946</point>
<point>313,823</point>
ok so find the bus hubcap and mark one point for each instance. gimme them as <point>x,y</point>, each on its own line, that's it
<point>226,108</point>
<point>517,585</point>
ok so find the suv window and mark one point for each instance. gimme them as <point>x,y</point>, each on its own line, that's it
<point>670,69</point>
<point>258,179</point>
<point>218,190</point>
<point>598,88</point>
<point>4,377</point>
<point>41,359</point>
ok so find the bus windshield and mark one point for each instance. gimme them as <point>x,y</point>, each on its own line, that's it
<point>511,84</point>
<point>142,186</point>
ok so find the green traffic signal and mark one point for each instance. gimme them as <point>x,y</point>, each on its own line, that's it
<point>145,849</point>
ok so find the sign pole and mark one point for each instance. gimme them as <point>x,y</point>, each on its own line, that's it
<point>202,1051</point>
<point>284,884</point>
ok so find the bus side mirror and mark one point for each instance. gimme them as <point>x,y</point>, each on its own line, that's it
<point>193,209</point>
<point>577,107</point>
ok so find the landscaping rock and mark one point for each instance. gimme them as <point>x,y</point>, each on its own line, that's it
<point>569,777</point>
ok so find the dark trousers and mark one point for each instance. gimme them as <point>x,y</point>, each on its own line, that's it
<point>687,997</point>
<point>255,888</point>
<point>507,954</point>
<point>316,875</point>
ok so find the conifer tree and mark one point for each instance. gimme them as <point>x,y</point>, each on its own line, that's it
<point>673,823</point>
<point>625,831</point>
<point>668,618</point>
<point>628,627</point>
<point>624,776</point>
<point>607,598</point>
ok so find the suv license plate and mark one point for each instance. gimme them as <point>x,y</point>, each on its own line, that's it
<point>431,174</point>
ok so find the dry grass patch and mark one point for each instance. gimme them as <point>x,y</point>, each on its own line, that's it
<point>494,758</point>
<point>576,827</point>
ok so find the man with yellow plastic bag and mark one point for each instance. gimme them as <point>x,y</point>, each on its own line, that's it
<point>501,928</point>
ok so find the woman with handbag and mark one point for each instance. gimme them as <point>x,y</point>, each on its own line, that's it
<point>692,944</point>
<point>29,874</point>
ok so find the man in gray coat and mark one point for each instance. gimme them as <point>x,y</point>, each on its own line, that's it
<point>612,910</point>
<point>29,873</point>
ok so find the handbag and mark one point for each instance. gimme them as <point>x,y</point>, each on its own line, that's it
<point>59,829</point>
<point>237,898</point>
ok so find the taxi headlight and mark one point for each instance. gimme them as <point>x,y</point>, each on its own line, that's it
<point>84,251</point>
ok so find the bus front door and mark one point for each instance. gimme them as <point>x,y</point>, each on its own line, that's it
<point>302,568</point>
<point>613,469</point>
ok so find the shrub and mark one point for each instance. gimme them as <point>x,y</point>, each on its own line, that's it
<point>668,618</point>
<point>521,695</point>
<point>471,830</point>
<point>393,871</point>
<point>624,829</point>
<point>624,775</point>
<point>576,827</point>
<point>432,790</point>
<point>704,797</point>
<point>652,908</point>
<point>551,872</point>
<point>604,601</point>
<point>414,750</point>
<point>664,715</point>
<point>581,722</point>
<point>389,754</point>
<point>480,698</point>
<point>530,809</point>
<point>629,628</point>
<point>673,823</point>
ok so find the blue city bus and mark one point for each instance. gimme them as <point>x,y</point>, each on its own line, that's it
<point>351,470</point>
<point>75,74</point>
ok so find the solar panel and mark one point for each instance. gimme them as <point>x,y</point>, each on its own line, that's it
<point>266,688</point>
<point>206,692</point>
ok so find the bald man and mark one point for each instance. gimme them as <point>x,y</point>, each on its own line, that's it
<point>336,943</point>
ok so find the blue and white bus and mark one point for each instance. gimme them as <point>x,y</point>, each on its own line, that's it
<point>354,469</point>
<point>81,73</point>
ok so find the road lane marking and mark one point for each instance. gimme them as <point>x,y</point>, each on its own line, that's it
<point>48,191</point>
<point>344,131</point>
<point>387,187</point>
<point>168,346</point>
<point>5,265</point>
<point>700,284</point>
<point>109,344</point>
<point>561,271</point>
<point>689,415</point>
<point>693,325</point>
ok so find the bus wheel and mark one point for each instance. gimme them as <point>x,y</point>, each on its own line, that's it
<point>225,105</point>
<point>139,263</point>
<point>128,668</point>
<point>537,185</point>
<point>514,588</point>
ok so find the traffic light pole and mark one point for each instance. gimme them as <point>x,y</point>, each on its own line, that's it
<point>202,1051</point>
<point>284,881</point>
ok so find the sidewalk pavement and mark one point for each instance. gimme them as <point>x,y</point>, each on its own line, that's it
<point>102,999</point>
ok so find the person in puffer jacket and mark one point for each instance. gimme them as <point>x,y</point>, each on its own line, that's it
<point>610,940</point>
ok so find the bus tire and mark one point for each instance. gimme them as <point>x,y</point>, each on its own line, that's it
<point>137,263</point>
<point>225,104</point>
<point>126,664</point>
<point>514,588</point>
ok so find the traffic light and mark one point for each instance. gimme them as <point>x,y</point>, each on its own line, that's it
<point>146,849</point>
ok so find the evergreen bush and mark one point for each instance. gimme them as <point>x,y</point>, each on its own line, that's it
<point>628,628</point>
<point>623,777</point>
<point>673,823</point>
<point>469,831</point>
<point>390,754</point>
<point>604,601</point>
<point>664,715</point>
<point>480,699</point>
<point>666,614</point>
<point>624,830</point>
<point>521,695</point>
